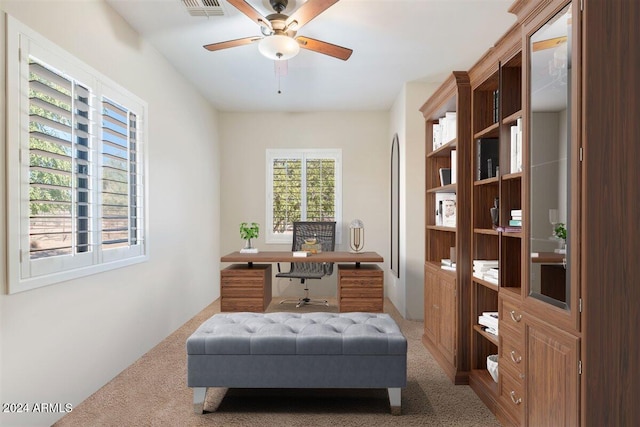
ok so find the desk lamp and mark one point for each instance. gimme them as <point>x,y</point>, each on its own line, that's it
<point>356,236</point>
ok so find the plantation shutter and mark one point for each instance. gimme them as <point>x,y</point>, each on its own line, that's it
<point>320,189</point>
<point>302,185</point>
<point>76,196</point>
<point>287,184</point>
<point>59,164</point>
<point>120,192</point>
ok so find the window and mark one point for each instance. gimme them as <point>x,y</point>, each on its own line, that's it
<point>76,193</point>
<point>302,185</point>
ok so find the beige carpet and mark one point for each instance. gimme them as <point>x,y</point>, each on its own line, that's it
<point>153,392</point>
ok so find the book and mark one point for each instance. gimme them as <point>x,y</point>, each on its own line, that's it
<point>301,254</point>
<point>445,176</point>
<point>488,321</point>
<point>454,165</point>
<point>487,155</point>
<point>450,118</point>
<point>446,209</point>
<point>516,212</point>
<point>516,147</point>
<point>485,263</point>
<point>437,136</point>
<point>515,223</point>
<point>509,229</point>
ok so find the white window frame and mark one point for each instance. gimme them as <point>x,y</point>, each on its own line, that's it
<point>25,273</point>
<point>301,154</point>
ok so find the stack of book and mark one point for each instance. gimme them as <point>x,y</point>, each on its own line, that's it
<point>491,275</point>
<point>482,269</point>
<point>445,130</point>
<point>489,321</point>
<point>447,264</point>
<point>516,218</point>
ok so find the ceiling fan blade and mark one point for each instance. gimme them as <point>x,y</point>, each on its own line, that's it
<point>307,12</point>
<point>549,43</point>
<point>324,47</point>
<point>231,43</point>
<point>249,11</point>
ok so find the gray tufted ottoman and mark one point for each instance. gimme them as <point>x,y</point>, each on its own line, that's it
<point>290,350</point>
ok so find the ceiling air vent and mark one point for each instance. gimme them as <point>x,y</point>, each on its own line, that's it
<point>204,7</point>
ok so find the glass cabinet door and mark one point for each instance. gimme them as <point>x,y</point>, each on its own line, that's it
<point>550,136</point>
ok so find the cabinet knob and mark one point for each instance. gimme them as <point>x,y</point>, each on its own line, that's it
<point>514,317</point>
<point>514,358</point>
<point>513,398</point>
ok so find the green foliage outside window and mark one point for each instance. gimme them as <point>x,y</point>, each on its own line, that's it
<point>288,182</point>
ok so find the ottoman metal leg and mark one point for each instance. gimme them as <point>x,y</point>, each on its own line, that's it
<point>394,400</point>
<point>199,393</point>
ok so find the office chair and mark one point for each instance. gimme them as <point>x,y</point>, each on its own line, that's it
<point>325,234</point>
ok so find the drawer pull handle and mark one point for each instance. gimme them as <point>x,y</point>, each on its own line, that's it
<point>514,358</point>
<point>515,318</point>
<point>513,398</point>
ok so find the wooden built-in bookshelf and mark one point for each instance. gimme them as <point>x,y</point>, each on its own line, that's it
<point>563,355</point>
<point>447,325</point>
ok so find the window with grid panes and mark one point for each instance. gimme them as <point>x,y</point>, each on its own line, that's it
<point>302,185</point>
<point>77,193</point>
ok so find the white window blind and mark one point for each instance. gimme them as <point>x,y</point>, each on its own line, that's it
<point>302,185</point>
<point>59,199</point>
<point>77,192</point>
<point>120,207</point>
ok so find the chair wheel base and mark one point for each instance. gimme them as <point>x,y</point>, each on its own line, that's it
<point>306,301</point>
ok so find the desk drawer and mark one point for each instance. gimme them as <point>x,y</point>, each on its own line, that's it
<point>244,288</point>
<point>511,353</point>
<point>360,288</point>
<point>512,396</point>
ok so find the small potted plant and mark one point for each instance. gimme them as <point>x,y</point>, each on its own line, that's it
<point>560,233</point>
<point>248,232</point>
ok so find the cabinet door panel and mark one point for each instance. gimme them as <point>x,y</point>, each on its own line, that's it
<point>431,307</point>
<point>448,318</point>
<point>552,376</point>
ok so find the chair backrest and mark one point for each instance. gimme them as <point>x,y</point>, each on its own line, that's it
<point>325,234</point>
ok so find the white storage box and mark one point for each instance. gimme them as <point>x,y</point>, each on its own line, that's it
<point>492,366</point>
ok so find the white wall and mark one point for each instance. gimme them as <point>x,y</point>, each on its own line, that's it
<point>407,292</point>
<point>61,343</point>
<point>366,153</point>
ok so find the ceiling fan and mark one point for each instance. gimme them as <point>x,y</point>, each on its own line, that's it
<point>279,41</point>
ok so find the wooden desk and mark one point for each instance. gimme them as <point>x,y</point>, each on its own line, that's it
<point>247,286</point>
<point>553,274</point>
<point>287,256</point>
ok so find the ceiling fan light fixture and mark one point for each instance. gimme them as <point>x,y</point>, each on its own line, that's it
<point>278,47</point>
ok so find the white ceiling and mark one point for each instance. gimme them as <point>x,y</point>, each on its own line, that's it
<point>394,42</point>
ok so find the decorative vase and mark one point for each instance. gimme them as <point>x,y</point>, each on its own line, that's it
<point>248,248</point>
<point>495,212</point>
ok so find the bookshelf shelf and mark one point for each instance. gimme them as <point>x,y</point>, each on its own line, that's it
<point>509,120</point>
<point>488,231</point>
<point>486,181</point>
<point>444,150</point>
<point>487,335</point>
<point>486,284</point>
<point>488,132</point>
<point>449,188</point>
<point>442,228</point>
<point>509,176</point>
